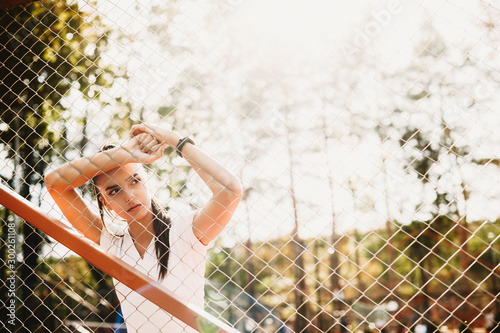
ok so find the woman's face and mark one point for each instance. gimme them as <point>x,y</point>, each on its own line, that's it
<point>123,190</point>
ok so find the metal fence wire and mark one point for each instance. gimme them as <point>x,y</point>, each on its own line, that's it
<point>365,136</point>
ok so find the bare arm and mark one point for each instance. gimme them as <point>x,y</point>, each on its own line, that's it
<point>226,189</point>
<point>62,182</point>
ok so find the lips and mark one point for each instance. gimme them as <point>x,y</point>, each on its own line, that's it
<point>134,208</point>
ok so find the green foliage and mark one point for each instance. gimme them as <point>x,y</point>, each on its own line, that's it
<point>206,326</point>
<point>426,154</point>
<point>47,49</point>
<point>425,257</point>
<point>68,282</point>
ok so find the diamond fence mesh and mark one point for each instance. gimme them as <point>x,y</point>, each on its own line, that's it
<point>365,137</point>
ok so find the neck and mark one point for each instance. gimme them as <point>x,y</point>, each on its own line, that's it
<point>142,230</point>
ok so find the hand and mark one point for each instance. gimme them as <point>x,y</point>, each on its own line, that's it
<point>161,134</point>
<point>144,148</point>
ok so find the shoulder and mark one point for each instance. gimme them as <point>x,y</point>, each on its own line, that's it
<point>182,229</point>
<point>182,222</point>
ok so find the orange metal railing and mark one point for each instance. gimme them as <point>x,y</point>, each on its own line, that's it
<point>176,306</point>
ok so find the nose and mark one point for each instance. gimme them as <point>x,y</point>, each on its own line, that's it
<point>129,196</point>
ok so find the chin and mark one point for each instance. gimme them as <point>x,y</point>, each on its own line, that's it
<point>139,215</point>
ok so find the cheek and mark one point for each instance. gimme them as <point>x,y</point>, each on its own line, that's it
<point>147,194</point>
<point>142,192</point>
<point>114,203</point>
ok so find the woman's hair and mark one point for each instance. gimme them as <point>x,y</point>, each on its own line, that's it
<point>161,225</point>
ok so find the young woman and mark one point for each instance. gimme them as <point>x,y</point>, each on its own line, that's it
<point>170,250</point>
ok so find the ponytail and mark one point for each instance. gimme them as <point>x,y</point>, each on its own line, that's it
<point>161,227</point>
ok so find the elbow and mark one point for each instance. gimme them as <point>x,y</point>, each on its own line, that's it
<point>232,192</point>
<point>52,181</point>
<point>49,180</point>
<point>236,189</point>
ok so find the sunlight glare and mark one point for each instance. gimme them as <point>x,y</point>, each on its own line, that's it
<point>283,32</point>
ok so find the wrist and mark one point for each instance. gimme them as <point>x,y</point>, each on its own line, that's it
<point>167,136</point>
<point>174,139</point>
<point>181,143</point>
<point>121,155</point>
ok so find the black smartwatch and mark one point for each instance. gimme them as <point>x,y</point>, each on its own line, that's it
<point>181,144</point>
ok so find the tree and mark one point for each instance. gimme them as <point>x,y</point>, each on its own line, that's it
<point>47,50</point>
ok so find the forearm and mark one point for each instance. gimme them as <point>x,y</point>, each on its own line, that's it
<point>218,179</point>
<point>226,190</point>
<point>80,171</point>
<point>216,213</point>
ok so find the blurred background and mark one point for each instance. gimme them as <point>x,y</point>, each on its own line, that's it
<point>365,134</point>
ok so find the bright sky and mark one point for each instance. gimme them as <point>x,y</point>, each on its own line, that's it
<point>281,32</point>
<point>284,32</point>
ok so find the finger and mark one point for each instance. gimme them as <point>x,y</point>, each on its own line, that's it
<point>145,138</point>
<point>160,148</point>
<point>133,142</point>
<point>146,128</point>
<point>141,136</point>
<point>139,129</point>
<point>163,147</point>
<point>155,149</point>
<point>149,142</point>
<point>140,140</point>
<point>134,130</point>
<point>150,146</point>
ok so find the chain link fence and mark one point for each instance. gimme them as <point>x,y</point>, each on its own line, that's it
<point>365,136</point>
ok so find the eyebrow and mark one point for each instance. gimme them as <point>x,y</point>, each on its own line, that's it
<point>128,179</point>
<point>133,176</point>
<point>111,187</point>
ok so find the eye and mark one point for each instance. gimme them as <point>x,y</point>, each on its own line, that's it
<point>135,181</point>
<point>113,191</point>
